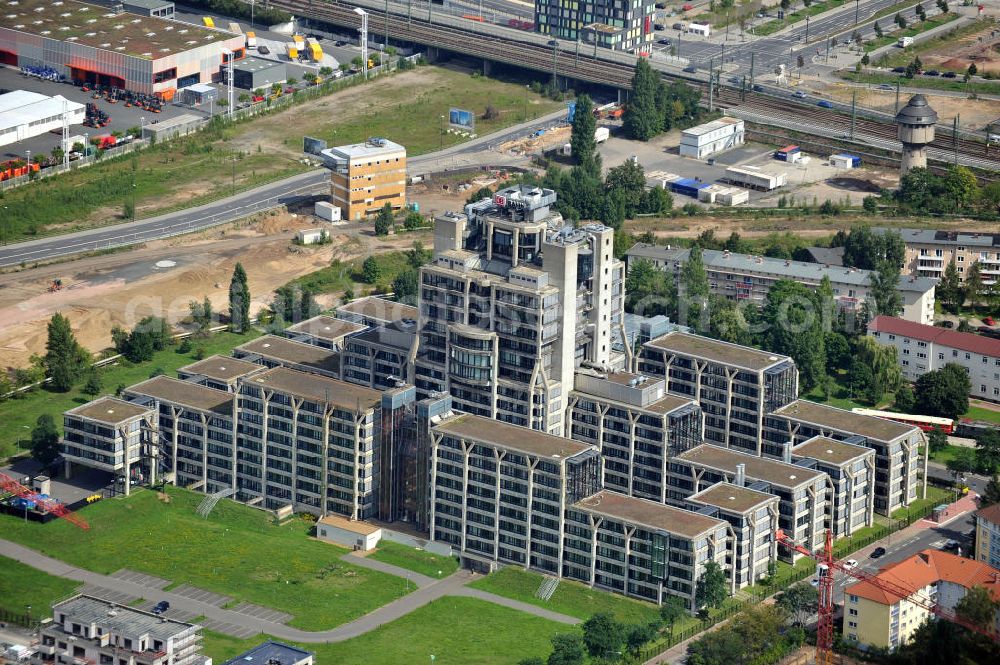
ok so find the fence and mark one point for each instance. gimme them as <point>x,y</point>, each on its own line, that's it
<point>19,618</point>
<point>96,156</point>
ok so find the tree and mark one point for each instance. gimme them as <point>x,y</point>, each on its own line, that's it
<point>899,20</point>
<point>628,181</point>
<point>785,4</point>
<point>239,301</point>
<point>962,462</point>
<point>371,271</point>
<point>671,611</point>
<point>869,203</point>
<point>641,119</point>
<point>417,256</point>
<point>201,314</point>
<point>94,384</point>
<point>914,67</point>
<point>978,607</point>
<point>864,248</point>
<point>65,359</point>
<point>639,635</point>
<point>794,327</point>
<point>406,285</point>
<point>693,292</point>
<point>657,201</point>
<point>905,399</point>
<point>988,451</point>
<point>974,287</point>
<point>581,140</point>
<point>567,649</point>
<point>884,284</point>
<point>413,220</point>
<point>800,602</point>
<point>991,494</point>
<point>728,324</point>
<point>949,289</point>
<point>943,6</point>
<point>878,30</point>
<point>649,291</point>
<point>711,589</point>
<point>602,635</point>
<point>45,441</point>
<point>384,220</point>
<point>943,392</point>
<point>920,12</point>
<point>838,351</point>
<point>937,440</point>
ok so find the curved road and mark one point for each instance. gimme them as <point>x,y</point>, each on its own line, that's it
<point>265,197</point>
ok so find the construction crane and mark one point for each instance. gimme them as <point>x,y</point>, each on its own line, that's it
<point>824,627</point>
<point>8,484</point>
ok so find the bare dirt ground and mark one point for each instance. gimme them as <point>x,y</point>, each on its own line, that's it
<point>982,48</point>
<point>163,277</point>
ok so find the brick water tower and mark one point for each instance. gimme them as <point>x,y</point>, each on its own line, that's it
<point>916,123</point>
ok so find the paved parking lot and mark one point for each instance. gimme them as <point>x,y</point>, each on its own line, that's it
<point>110,595</point>
<point>84,483</point>
<point>140,578</point>
<point>241,632</point>
<point>194,593</point>
<point>260,612</point>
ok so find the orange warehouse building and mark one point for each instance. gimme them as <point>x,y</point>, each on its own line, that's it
<point>366,176</point>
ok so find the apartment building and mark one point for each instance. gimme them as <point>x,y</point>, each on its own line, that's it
<point>514,301</point>
<point>636,425</point>
<point>112,435</point>
<point>500,491</point>
<point>219,372</point>
<point>374,311</point>
<point>928,252</point>
<point>988,535</point>
<point>195,426</point>
<point>897,446</point>
<point>380,357</point>
<point>275,351</point>
<point>622,26</point>
<point>753,516</point>
<point>736,386</point>
<point>86,630</point>
<point>745,277</point>
<point>642,548</point>
<point>326,332</point>
<point>366,176</point>
<point>308,441</point>
<point>876,617</point>
<point>802,492</point>
<point>851,470</point>
<point>921,349</point>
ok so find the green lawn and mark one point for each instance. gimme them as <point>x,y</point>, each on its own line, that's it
<point>911,30</point>
<point>840,396</point>
<point>905,56</point>
<point>455,630</point>
<point>236,551</point>
<point>935,496</point>
<point>22,585</point>
<point>571,598</point>
<point>419,561</point>
<point>815,8</point>
<point>982,413</point>
<point>17,416</point>
<point>945,455</point>
<point>928,82</point>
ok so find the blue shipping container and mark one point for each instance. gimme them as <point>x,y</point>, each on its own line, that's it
<point>687,187</point>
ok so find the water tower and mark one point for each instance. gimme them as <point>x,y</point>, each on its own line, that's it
<point>916,123</point>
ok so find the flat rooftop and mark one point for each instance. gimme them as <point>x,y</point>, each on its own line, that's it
<point>136,35</point>
<point>317,388</point>
<point>373,147</point>
<point>271,652</point>
<point>757,468</point>
<point>254,65</point>
<point>109,410</point>
<point>21,107</point>
<point>712,126</point>
<point>185,393</point>
<point>511,437</point>
<point>833,452</point>
<point>326,327</point>
<point>650,514</point>
<point>844,421</point>
<point>283,350</point>
<point>221,368</point>
<point>732,497</point>
<point>126,620</point>
<point>379,309</point>
<point>717,351</point>
<point>351,526</point>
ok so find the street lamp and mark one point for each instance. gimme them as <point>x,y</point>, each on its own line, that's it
<point>363,35</point>
<point>441,143</point>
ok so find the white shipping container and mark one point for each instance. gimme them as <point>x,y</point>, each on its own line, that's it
<point>327,211</point>
<point>309,236</point>
<point>602,134</point>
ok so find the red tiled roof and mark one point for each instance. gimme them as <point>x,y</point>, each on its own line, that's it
<point>926,568</point>
<point>990,513</point>
<point>963,341</point>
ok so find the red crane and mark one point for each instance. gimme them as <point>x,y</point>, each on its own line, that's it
<point>824,629</point>
<point>8,484</point>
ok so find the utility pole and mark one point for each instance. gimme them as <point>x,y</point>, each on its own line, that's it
<point>854,108</point>
<point>897,97</point>
<point>751,68</point>
<point>555,66</point>
<point>409,12</point>
<point>711,87</point>
<point>954,135</point>
<point>857,8</point>
<point>386,23</point>
<point>806,40</point>
<point>363,35</point>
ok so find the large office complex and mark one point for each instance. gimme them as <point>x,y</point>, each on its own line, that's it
<point>366,176</point>
<point>100,46</point>
<point>922,348</point>
<point>850,469</point>
<point>744,277</point>
<point>514,301</point>
<point>619,25</point>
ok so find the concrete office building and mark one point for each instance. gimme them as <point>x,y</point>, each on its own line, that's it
<point>636,425</point>
<point>514,301</point>
<point>921,349</point>
<point>375,311</point>
<point>642,548</point>
<point>308,441</point>
<point>897,446</point>
<point>633,21</point>
<point>195,425</point>
<point>753,517</point>
<point>381,357</point>
<point>736,386</point>
<point>802,492</point>
<point>366,176</point>
<point>851,470</point>
<point>500,492</point>
<point>712,138</point>
<point>112,435</point>
<point>25,114</point>
<point>325,332</point>
<point>928,252</point>
<point>219,372</point>
<point>742,277</point>
<point>96,46</point>
<point>274,351</point>
<point>86,629</point>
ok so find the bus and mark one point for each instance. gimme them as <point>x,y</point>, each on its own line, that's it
<point>926,423</point>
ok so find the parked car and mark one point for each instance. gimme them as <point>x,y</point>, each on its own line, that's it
<point>949,75</point>
<point>886,86</point>
<point>799,94</point>
<point>950,545</point>
<point>690,69</point>
<point>878,552</point>
<point>899,70</point>
<point>850,564</point>
<point>988,320</point>
<point>161,607</point>
<point>989,332</point>
<point>340,42</point>
<point>824,104</point>
<point>758,88</point>
<point>945,324</point>
<point>263,50</point>
<point>659,26</point>
<point>664,41</point>
<point>932,72</point>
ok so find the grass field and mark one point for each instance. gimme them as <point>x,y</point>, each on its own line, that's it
<point>571,598</point>
<point>904,56</point>
<point>911,30</point>
<point>815,8</point>
<point>935,496</point>
<point>22,585</point>
<point>840,396</point>
<point>17,416</point>
<point>419,561</point>
<point>928,82</point>
<point>455,630</point>
<point>945,455</point>
<point>982,413</point>
<point>236,551</point>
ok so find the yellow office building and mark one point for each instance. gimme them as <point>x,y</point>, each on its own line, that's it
<point>366,176</point>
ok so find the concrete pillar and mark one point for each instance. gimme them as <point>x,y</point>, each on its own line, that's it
<point>325,507</point>
<point>532,465</point>
<point>204,451</point>
<point>498,456</point>
<point>175,412</point>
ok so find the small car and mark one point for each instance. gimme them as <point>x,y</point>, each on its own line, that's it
<point>814,581</point>
<point>659,26</point>
<point>340,42</point>
<point>758,88</point>
<point>263,50</point>
<point>932,72</point>
<point>690,69</point>
<point>988,320</point>
<point>950,545</point>
<point>850,564</point>
<point>824,104</point>
<point>949,75</point>
<point>899,70</point>
<point>798,94</point>
<point>161,607</point>
<point>886,86</point>
<point>878,552</point>
<point>664,42</point>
